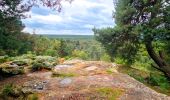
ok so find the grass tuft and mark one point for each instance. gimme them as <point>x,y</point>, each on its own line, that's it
<point>110,93</point>
<point>63,75</point>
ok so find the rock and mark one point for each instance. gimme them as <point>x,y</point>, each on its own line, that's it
<point>91,68</point>
<point>114,65</point>
<point>17,92</point>
<point>27,90</point>
<point>35,85</point>
<point>65,82</point>
<point>61,68</point>
<point>74,61</point>
<point>39,86</point>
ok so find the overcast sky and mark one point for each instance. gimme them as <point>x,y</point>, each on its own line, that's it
<point>77,18</point>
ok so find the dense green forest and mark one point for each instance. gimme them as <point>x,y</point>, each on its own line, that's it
<point>140,42</point>
<point>70,37</point>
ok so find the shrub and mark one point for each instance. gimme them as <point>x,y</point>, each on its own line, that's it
<point>7,90</point>
<point>137,77</point>
<point>51,52</point>
<point>9,70</point>
<point>106,57</point>
<point>159,80</point>
<point>10,90</point>
<point>80,54</point>
<point>13,92</point>
<point>119,60</point>
<point>37,66</point>
<point>3,59</point>
<point>2,52</point>
<point>20,62</point>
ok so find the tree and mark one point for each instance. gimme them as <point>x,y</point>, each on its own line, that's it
<point>12,40</point>
<point>139,22</point>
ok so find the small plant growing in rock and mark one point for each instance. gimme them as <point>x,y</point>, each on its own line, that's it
<point>109,93</point>
<point>10,90</point>
<point>63,75</point>
<point>33,97</point>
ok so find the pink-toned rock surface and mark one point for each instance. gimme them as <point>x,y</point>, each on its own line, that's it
<point>89,75</point>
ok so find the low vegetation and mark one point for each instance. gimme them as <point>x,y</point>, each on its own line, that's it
<point>13,92</point>
<point>109,93</point>
<point>63,75</point>
<point>156,80</point>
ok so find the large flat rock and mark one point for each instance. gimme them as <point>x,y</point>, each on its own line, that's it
<point>90,75</point>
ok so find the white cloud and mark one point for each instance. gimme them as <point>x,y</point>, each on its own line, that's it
<point>75,17</point>
<point>58,32</point>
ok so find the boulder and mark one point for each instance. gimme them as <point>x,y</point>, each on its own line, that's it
<point>65,82</point>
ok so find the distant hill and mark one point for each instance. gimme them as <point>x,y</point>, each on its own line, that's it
<point>70,37</point>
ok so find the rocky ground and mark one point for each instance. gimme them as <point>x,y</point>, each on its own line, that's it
<point>84,80</point>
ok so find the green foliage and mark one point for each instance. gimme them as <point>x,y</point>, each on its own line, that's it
<point>80,54</point>
<point>2,52</point>
<point>109,93</point>
<point>12,40</point>
<point>44,62</point>
<point>13,92</point>
<point>137,77</point>
<point>7,90</point>
<point>63,75</point>
<point>51,52</point>
<point>139,23</point>
<point>33,97</point>
<point>10,90</point>
<point>151,78</point>
<point>119,60</point>
<point>3,59</point>
<point>9,70</point>
<point>70,37</point>
<point>105,57</point>
<point>159,80</point>
<point>37,66</point>
<point>110,70</point>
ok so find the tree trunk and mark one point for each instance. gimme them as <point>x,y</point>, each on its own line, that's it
<point>158,59</point>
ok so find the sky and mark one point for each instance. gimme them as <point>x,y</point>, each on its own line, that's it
<point>77,18</point>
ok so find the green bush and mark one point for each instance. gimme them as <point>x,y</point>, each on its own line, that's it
<point>7,90</point>
<point>37,66</point>
<point>13,92</point>
<point>4,59</point>
<point>20,62</point>
<point>2,52</point>
<point>105,57</point>
<point>10,70</point>
<point>119,60</point>
<point>159,80</point>
<point>137,77</point>
<point>10,90</point>
<point>80,54</point>
<point>51,52</point>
